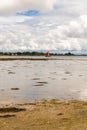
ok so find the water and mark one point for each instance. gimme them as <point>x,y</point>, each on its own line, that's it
<point>62,79</point>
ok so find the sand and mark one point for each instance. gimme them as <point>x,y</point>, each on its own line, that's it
<point>44,115</point>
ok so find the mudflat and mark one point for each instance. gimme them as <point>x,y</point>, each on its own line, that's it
<point>44,115</point>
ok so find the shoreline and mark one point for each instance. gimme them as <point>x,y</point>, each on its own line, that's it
<point>64,58</point>
<point>44,115</point>
<point>41,59</point>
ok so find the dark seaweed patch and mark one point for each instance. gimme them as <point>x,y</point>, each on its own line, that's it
<point>11,109</point>
<point>42,82</point>
<point>64,78</point>
<point>67,72</point>
<point>15,89</point>
<point>11,72</point>
<point>36,79</point>
<point>39,85</point>
<point>7,116</point>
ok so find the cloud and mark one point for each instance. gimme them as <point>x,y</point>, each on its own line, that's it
<point>21,33</point>
<point>12,6</point>
<point>63,27</point>
<point>60,7</point>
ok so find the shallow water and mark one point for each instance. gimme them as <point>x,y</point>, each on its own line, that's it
<point>36,80</point>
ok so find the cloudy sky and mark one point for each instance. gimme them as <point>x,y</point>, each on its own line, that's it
<point>58,25</point>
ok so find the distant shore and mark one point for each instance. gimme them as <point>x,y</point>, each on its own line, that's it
<point>6,59</point>
<point>44,115</point>
<point>11,58</point>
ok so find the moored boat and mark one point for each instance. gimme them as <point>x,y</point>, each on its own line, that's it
<point>47,54</point>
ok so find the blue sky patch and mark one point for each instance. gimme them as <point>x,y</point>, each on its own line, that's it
<point>29,13</point>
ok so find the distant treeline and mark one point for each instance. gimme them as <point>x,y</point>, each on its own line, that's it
<point>36,53</point>
<point>33,53</point>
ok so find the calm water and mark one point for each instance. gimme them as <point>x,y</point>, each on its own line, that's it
<point>62,79</point>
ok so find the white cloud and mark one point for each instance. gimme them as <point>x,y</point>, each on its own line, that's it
<point>12,6</point>
<point>63,28</point>
<point>42,33</point>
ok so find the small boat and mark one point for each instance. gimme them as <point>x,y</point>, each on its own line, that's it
<point>47,54</point>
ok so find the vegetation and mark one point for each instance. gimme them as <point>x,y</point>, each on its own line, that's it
<point>33,53</point>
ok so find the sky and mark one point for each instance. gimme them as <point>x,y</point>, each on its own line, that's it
<point>37,25</point>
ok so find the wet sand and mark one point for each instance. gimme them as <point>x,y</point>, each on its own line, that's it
<point>31,80</point>
<point>25,83</point>
<point>44,115</point>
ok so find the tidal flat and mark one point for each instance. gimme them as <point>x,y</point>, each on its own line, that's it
<point>43,94</point>
<point>33,80</point>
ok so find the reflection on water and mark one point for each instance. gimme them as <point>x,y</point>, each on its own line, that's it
<point>36,80</point>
